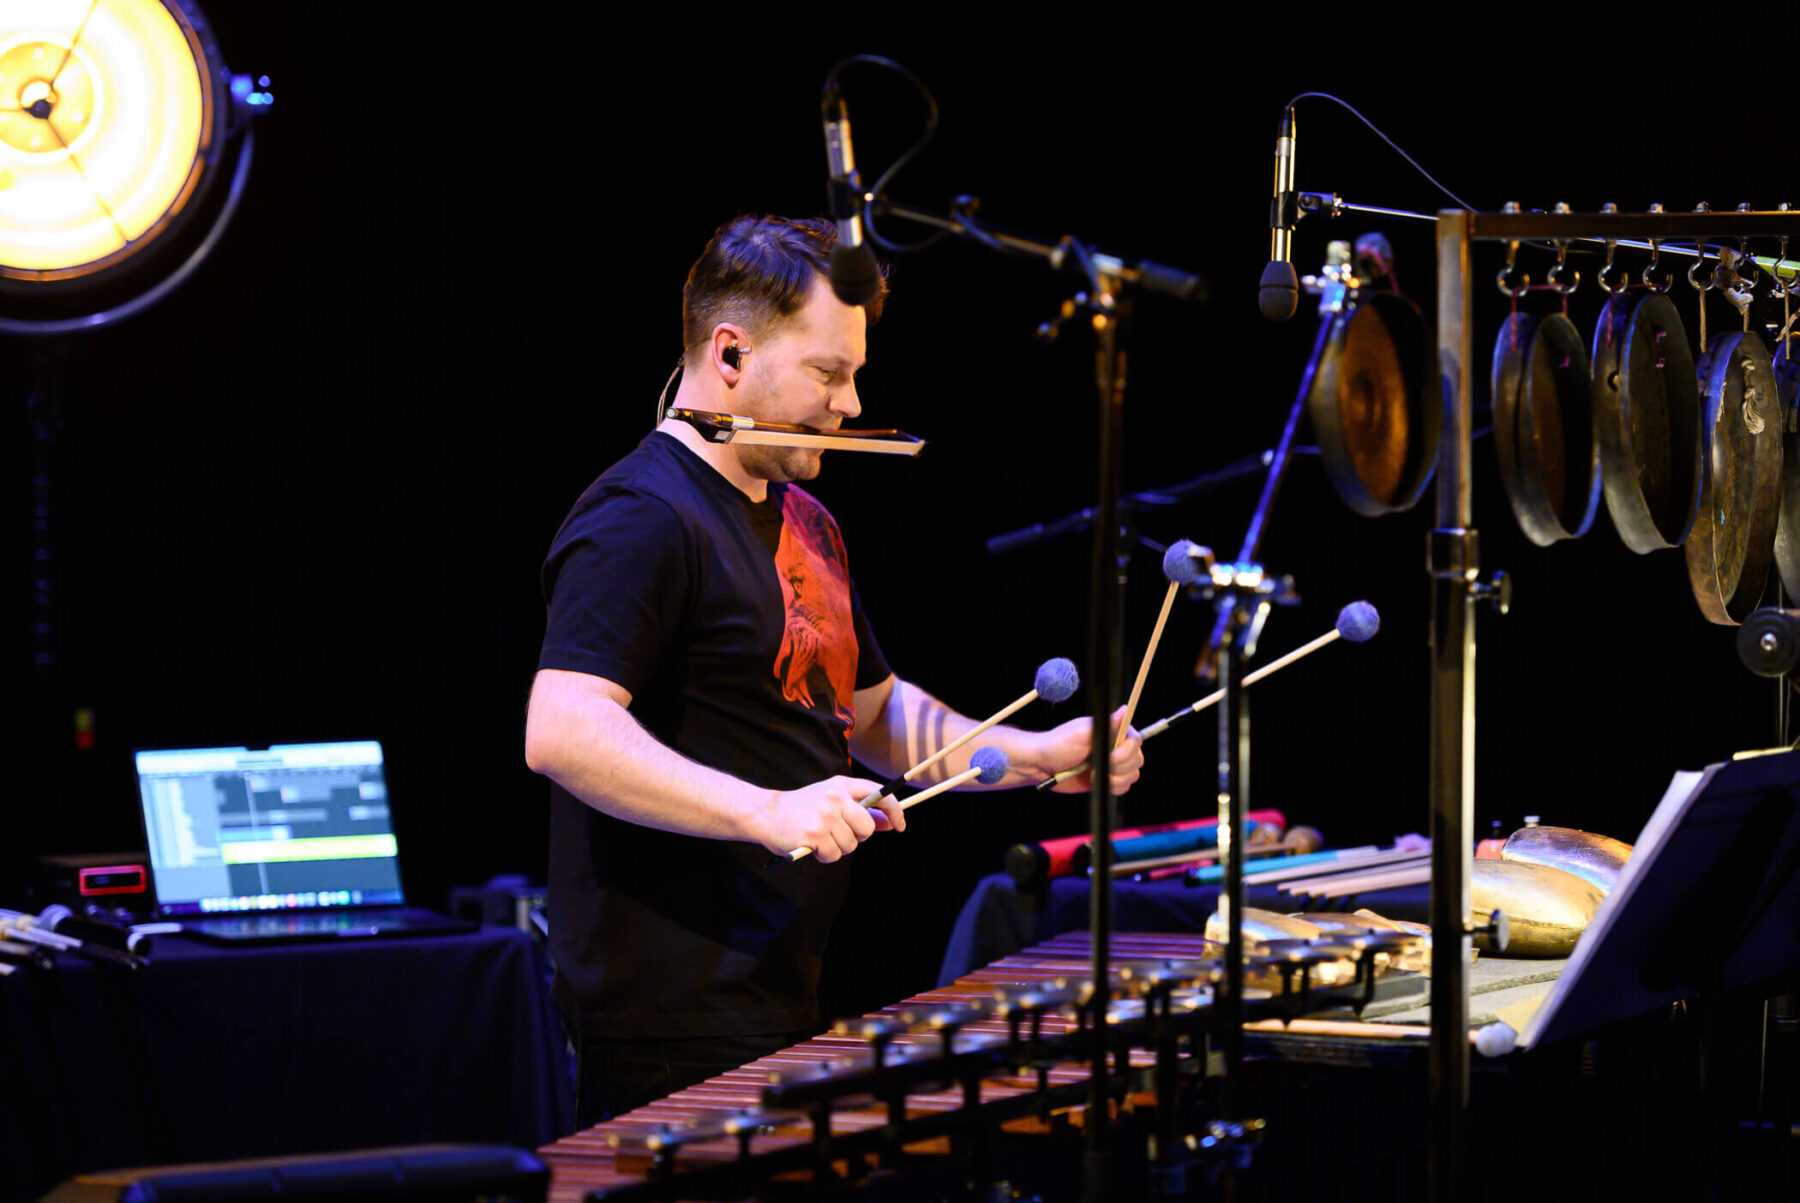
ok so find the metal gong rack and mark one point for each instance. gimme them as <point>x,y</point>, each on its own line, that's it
<point>1453,561</point>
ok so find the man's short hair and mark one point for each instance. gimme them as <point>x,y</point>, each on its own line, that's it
<point>757,272</point>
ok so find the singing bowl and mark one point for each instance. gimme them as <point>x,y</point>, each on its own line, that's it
<point>1596,859</point>
<point>1733,540</point>
<point>1787,525</point>
<point>1375,421</point>
<point>1547,908</point>
<point>1650,439</point>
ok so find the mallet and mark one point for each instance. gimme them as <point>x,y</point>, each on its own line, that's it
<point>1356,622</point>
<point>986,767</point>
<point>1183,563</point>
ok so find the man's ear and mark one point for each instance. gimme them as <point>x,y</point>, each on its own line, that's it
<point>729,347</point>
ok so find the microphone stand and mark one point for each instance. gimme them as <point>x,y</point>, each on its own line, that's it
<point>1108,301</point>
<point>1337,281</point>
<point>1083,519</point>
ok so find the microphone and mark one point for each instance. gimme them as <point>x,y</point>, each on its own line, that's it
<point>855,276</point>
<point>1279,295</point>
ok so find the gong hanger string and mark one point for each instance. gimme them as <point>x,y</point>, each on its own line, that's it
<point>1778,265</point>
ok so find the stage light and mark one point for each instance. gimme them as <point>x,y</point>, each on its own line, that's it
<point>117,117</point>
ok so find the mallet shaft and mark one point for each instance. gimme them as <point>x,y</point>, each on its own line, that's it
<point>1211,699</point>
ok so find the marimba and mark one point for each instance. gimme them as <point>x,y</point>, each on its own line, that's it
<point>1002,1043</point>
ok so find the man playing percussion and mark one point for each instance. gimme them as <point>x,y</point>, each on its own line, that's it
<point>706,675</point>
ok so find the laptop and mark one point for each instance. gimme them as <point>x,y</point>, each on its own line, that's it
<point>288,843</point>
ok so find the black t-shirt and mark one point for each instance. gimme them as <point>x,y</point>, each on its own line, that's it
<point>736,628</point>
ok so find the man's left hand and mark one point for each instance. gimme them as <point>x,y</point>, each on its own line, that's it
<point>1069,745</point>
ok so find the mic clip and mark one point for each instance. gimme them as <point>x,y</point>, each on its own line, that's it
<point>1285,210</point>
<point>1288,208</point>
<point>844,196</point>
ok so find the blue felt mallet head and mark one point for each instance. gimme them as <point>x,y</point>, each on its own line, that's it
<point>1186,562</point>
<point>993,764</point>
<point>1358,622</point>
<point>1057,680</point>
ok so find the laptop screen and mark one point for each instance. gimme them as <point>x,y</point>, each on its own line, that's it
<point>283,828</point>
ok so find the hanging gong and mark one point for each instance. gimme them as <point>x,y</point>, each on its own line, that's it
<point>1651,442</point>
<point>1544,427</point>
<point>1787,527</point>
<point>1732,542</point>
<point>1506,374</point>
<point>1607,363</point>
<point>1376,425</point>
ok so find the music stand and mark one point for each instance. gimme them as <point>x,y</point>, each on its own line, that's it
<point>1707,902</point>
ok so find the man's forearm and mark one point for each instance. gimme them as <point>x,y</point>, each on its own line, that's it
<point>579,733</point>
<point>600,754</point>
<point>913,725</point>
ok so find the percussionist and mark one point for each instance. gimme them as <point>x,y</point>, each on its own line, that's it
<point>707,674</point>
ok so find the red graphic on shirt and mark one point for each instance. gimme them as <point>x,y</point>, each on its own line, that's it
<point>817,661</point>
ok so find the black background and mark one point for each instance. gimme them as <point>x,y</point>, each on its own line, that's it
<point>307,497</point>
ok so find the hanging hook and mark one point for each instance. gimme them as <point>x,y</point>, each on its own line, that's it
<point>1745,266</point>
<point>1655,258</point>
<point>1693,273</point>
<point>1514,291</point>
<point>1780,289</point>
<point>1554,277</point>
<point>1612,249</point>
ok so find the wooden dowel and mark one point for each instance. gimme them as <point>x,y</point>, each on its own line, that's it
<point>1340,887</point>
<point>967,775</point>
<point>1345,1027</point>
<point>1211,699</point>
<point>1320,869</point>
<point>1250,678</point>
<point>1137,687</point>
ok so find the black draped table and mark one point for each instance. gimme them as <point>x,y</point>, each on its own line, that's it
<point>208,1053</point>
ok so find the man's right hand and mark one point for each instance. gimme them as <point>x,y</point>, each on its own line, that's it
<point>827,817</point>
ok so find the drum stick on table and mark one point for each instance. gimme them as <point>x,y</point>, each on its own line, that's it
<point>1356,622</point>
<point>987,766</point>
<point>1183,563</point>
<point>1298,841</point>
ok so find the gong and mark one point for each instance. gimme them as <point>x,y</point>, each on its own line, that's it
<point>1544,427</point>
<point>1733,539</point>
<point>1377,430</point>
<point>1650,438</point>
<point>1787,527</point>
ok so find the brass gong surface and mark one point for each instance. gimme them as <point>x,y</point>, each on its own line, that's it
<point>1607,363</point>
<point>1377,433</point>
<point>1787,526</point>
<point>1557,462</point>
<point>1506,377</point>
<point>1653,487</point>
<point>1733,540</point>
